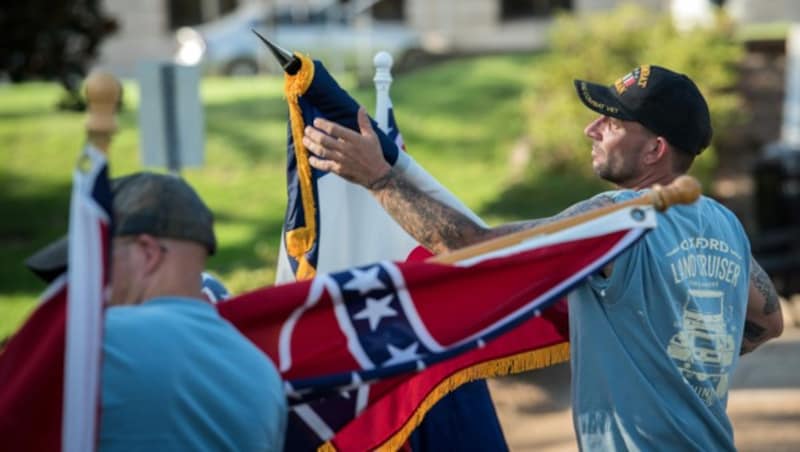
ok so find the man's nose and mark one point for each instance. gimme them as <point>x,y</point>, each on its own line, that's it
<point>592,130</point>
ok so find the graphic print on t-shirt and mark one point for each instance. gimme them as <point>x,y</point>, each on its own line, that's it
<point>704,346</point>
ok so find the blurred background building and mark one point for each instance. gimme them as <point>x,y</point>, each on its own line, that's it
<point>147,28</point>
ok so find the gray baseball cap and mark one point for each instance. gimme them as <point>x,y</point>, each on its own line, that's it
<point>161,205</point>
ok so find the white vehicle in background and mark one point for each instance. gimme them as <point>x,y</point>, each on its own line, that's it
<point>334,34</point>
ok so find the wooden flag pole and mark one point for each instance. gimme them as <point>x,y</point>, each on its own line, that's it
<point>103,92</point>
<point>683,190</point>
<point>86,280</point>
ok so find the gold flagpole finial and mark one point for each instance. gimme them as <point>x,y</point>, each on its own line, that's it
<point>103,92</point>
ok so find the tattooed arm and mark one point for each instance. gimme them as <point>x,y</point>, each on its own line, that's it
<point>764,319</point>
<point>435,225</point>
<point>442,228</point>
<point>356,156</point>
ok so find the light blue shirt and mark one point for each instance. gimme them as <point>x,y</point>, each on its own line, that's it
<point>654,346</point>
<point>178,377</point>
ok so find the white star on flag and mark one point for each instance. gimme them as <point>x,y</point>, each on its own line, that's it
<point>401,355</point>
<point>376,310</point>
<point>365,281</point>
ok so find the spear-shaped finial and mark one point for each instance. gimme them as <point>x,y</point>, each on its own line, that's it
<point>288,61</point>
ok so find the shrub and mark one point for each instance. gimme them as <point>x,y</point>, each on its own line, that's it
<point>602,47</point>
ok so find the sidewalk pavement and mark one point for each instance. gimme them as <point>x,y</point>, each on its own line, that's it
<point>764,402</point>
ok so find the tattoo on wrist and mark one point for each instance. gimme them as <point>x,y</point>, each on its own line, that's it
<point>381,182</point>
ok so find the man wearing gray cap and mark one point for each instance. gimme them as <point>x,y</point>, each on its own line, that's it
<point>176,376</point>
<point>656,335</point>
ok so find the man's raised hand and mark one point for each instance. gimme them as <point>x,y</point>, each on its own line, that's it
<point>354,156</point>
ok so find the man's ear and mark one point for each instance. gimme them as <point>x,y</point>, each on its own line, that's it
<point>656,150</point>
<point>153,252</point>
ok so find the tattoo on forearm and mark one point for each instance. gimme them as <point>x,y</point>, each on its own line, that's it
<point>437,226</point>
<point>763,284</point>
<point>753,332</point>
<point>441,228</point>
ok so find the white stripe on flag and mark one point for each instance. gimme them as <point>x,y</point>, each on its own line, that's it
<point>314,421</point>
<point>84,311</point>
<point>315,292</point>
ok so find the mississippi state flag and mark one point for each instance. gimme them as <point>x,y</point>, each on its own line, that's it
<point>50,369</point>
<point>347,342</point>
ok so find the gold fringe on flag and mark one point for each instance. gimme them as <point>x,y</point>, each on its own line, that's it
<point>521,362</point>
<point>300,241</point>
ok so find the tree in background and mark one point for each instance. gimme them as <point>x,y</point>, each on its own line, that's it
<point>601,47</point>
<point>46,40</point>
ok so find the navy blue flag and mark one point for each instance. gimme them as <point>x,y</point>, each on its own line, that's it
<point>311,94</point>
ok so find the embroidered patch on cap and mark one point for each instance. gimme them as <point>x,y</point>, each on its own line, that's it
<point>638,76</point>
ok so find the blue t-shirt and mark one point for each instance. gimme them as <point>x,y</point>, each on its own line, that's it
<point>178,377</point>
<point>655,344</point>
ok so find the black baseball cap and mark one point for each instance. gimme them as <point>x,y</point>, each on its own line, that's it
<point>667,103</point>
<point>161,205</point>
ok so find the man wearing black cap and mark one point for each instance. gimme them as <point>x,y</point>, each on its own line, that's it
<point>656,335</point>
<point>175,375</point>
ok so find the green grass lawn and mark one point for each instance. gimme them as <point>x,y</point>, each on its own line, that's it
<point>460,119</point>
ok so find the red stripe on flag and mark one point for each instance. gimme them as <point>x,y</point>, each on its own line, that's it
<point>441,291</point>
<point>317,345</point>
